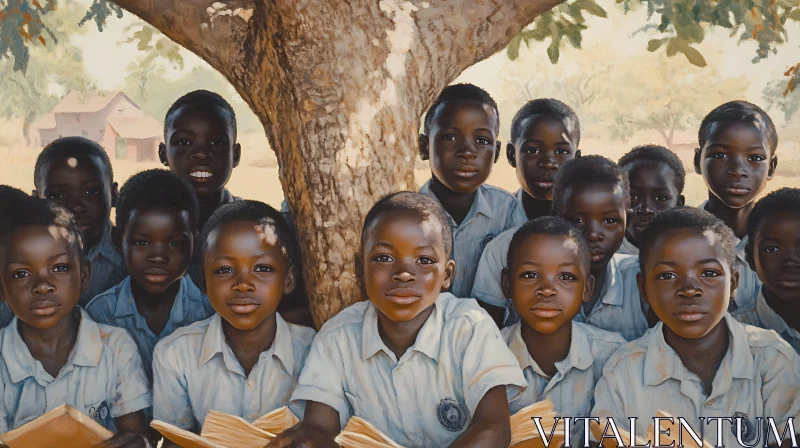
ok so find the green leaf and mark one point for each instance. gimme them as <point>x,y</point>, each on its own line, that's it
<point>795,15</point>
<point>513,47</point>
<point>593,8</point>
<point>654,44</point>
<point>693,55</point>
<point>553,51</point>
<point>672,47</point>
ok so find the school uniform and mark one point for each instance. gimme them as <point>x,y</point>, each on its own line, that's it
<point>749,284</point>
<point>572,387</point>
<point>493,211</point>
<point>195,371</point>
<point>6,315</point>
<point>428,396</point>
<point>627,248</point>
<point>520,217</point>
<point>117,307</point>
<point>107,267</point>
<point>195,270</point>
<point>758,377</point>
<point>103,377</point>
<point>762,316</point>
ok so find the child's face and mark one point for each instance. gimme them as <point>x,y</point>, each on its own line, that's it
<point>81,185</point>
<point>42,275</point>
<point>735,163</point>
<point>547,281</point>
<point>776,254</point>
<point>404,265</point>
<point>157,246</point>
<point>247,273</point>
<point>541,149</point>
<point>200,147</point>
<point>653,189</point>
<point>463,145</point>
<point>687,281</point>
<point>599,211</point>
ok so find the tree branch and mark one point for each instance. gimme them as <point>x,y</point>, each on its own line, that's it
<point>212,29</point>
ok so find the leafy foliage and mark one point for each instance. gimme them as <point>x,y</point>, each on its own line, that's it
<point>21,25</point>
<point>154,45</point>
<point>99,11</point>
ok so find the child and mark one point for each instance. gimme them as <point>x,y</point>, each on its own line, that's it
<point>426,368</point>
<point>773,242</point>
<point>76,173</point>
<point>657,177</point>
<point>245,359</point>
<point>548,280</point>
<point>11,200</point>
<point>53,352</point>
<point>736,159</point>
<point>592,192</point>
<point>460,140</point>
<point>698,362</point>
<point>545,135</point>
<point>155,232</point>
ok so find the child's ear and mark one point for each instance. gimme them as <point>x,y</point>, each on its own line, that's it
<point>578,153</point>
<point>497,147</point>
<point>734,282</point>
<point>116,238</point>
<point>749,255</point>
<point>35,193</point>
<point>773,165</point>
<point>505,283</point>
<point>162,154</point>
<point>588,288</point>
<point>681,200</point>
<point>697,153</point>
<point>86,274</point>
<point>114,193</point>
<point>424,150</point>
<point>449,272</point>
<point>291,281</point>
<point>237,154</point>
<point>640,285</point>
<point>511,155</point>
<point>359,265</point>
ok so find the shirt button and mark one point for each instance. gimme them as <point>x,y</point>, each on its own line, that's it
<point>710,402</point>
<point>251,383</point>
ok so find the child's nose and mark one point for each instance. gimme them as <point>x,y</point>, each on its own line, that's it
<point>43,287</point>
<point>404,276</point>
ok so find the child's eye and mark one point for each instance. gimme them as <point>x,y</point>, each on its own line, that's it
<point>561,151</point>
<point>449,137</point>
<point>183,142</point>
<point>719,155</point>
<point>55,196</point>
<point>529,275</point>
<point>60,268</point>
<point>772,249</point>
<point>575,220</point>
<point>531,150</point>
<point>709,273</point>
<point>610,221</point>
<point>223,270</point>
<point>483,141</point>
<point>20,274</point>
<point>756,158</point>
<point>219,143</point>
<point>140,242</point>
<point>426,260</point>
<point>634,197</point>
<point>663,198</point>
<point>383,259</point>
<point>666,276</point>
<point>176,244</point>
<point>566,276</point>
<point>263,268</point>
<point>94,191</point>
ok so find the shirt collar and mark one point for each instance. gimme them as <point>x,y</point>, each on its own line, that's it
<point>21,364</point>
<point>126,305</point>
<point>628,248</point>
<point>518,196</point>
<point>661,362</point>
<point>479,205</point>
<point>428,339</point>
<point>611,292</point>
<point>578,357</point>
<point>104,246</point>
<point>770,319</point>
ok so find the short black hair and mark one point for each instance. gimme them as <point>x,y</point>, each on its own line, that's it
<point>739,112</point>
<point>589,170</point>
<point>157,189</point>
<point>656,154</point>
<point>554,226</point>
<point>782,200</point>
<point>33,211</point>
<point>408,201</point>
<point>552,107</point>
<point>461,92</point>
<point>686,218</point>
<point>66,147</point>
<point>256,212</point>
<point>9,198</point>
<point>202,98</point>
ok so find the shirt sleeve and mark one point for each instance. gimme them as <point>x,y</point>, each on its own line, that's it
<point>486,287</point>
<point>608,397</point>
<point>4,424</point>
<point>133,390</point>
<point>487,362</point>
<point>322,378</point>
<point>170,390</point>
<point>779,389</point>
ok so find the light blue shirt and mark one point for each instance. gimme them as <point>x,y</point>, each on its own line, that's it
<point>762,316</point>
<point>195,371</point>
<point>6,315</point>
<point>107,267</point>
<point>758,377</point>
<point>103,377</point>
<point>117,307</point>
<point>425,398</point>
<point>628,248</point>
<point>493,211</point>
<point>572,387</point>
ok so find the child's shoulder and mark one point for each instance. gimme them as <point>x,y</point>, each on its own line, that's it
<point>600,338</point>
<point>498,198</point>
<point>766,343</point>
<point>466,311</point>
<point>106,301</point>
<point>191,334</point>
<point>630,356</point>
<point>300,334</point>
<point>626,262</point>
<point>347,320</point>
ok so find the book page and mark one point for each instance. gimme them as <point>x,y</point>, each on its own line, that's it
<point>64,427</point>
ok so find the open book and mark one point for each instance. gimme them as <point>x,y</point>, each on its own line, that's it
<point>361,434</point>
<point>674,428</point>
<point>64,427</point>
<point>227,431</point>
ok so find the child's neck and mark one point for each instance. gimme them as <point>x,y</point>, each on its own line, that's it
<point>456,204</point>
<point>400,336</point>
<point>548,349</point>
<point>789,311</point>
<point>701,356</point>
<point>735,218</point>
<point>599,281</point>
<point>52,346</point>
<point>92,243</point>
<point>536,208</point>
<point>247,345</point>
<point>631,239</point>
<point>209,204</point>
<point>155,307</point>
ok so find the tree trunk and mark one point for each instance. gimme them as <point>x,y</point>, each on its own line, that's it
<point>339,87</point>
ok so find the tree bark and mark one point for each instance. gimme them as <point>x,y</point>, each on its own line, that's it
<point>339,87</point>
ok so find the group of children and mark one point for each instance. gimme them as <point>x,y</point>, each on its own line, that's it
<point>595,287</point>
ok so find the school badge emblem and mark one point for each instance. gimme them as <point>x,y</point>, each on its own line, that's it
<point>451,415</point>
<point>100,414</point>
<point>748,430</point>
